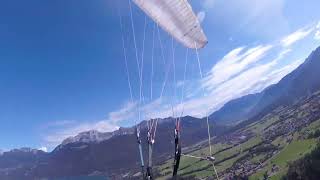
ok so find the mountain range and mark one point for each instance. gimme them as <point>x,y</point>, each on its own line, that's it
<point>115,154</point>
<point>302,82</point>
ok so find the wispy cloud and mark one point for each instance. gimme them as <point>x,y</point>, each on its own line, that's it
<point>241,71</point>
<point>277,74</point>
<point>60,130</point>
<point>317,33</point>
<point>252,80</point>
<point>233,63</point>
<point>56,135</point>
<point>296,36</point>
<point>126,112</point>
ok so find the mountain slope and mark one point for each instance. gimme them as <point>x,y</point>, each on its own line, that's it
<point>94,153</point>
<point>20,157</point>
<point>300,83</point>
<point>283,135</point>
<point>239,108</point>
<point>114,154</point>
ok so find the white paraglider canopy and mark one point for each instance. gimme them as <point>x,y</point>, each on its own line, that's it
<point>177,18</point>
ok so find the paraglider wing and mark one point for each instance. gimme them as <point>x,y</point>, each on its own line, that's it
<point>177,18</point>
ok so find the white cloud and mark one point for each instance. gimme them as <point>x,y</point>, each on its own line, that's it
<point>201,16</point>
<point>125,113</point>
<point>44,149</point>
<point>241,71</point>
<point>207,4</point>
<point>252,71</point>
<point>252,17</point>
<point>180,83</point>
<point>317,33</point>
<point>233,63</point>
<point>296,36</point>
<point>252,80</point>
<point>60,130</point>
<point>57,135</point>
<point>277,74</point>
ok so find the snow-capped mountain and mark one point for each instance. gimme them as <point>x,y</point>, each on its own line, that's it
<point>88,136</point>
<point>94,136</point>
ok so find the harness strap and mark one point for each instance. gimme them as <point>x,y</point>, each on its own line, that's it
<point>177,154</point>
<point>140,151</point>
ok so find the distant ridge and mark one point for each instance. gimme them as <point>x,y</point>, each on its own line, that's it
<point>301,82</point>
<point>115,153</point>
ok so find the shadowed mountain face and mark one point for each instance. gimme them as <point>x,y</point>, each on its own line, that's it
<point>300,83</point>
<point>114,154</point>
<point>20,157</point>
<point>101,154</point>
<point>236,110</point>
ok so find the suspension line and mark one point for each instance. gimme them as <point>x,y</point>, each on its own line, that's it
<point>140,78</point>
<point>207,117</point>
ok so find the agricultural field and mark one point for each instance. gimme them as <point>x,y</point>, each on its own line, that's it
<point>263,148</point>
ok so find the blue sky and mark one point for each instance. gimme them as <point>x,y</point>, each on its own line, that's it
<point>62,63</point>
